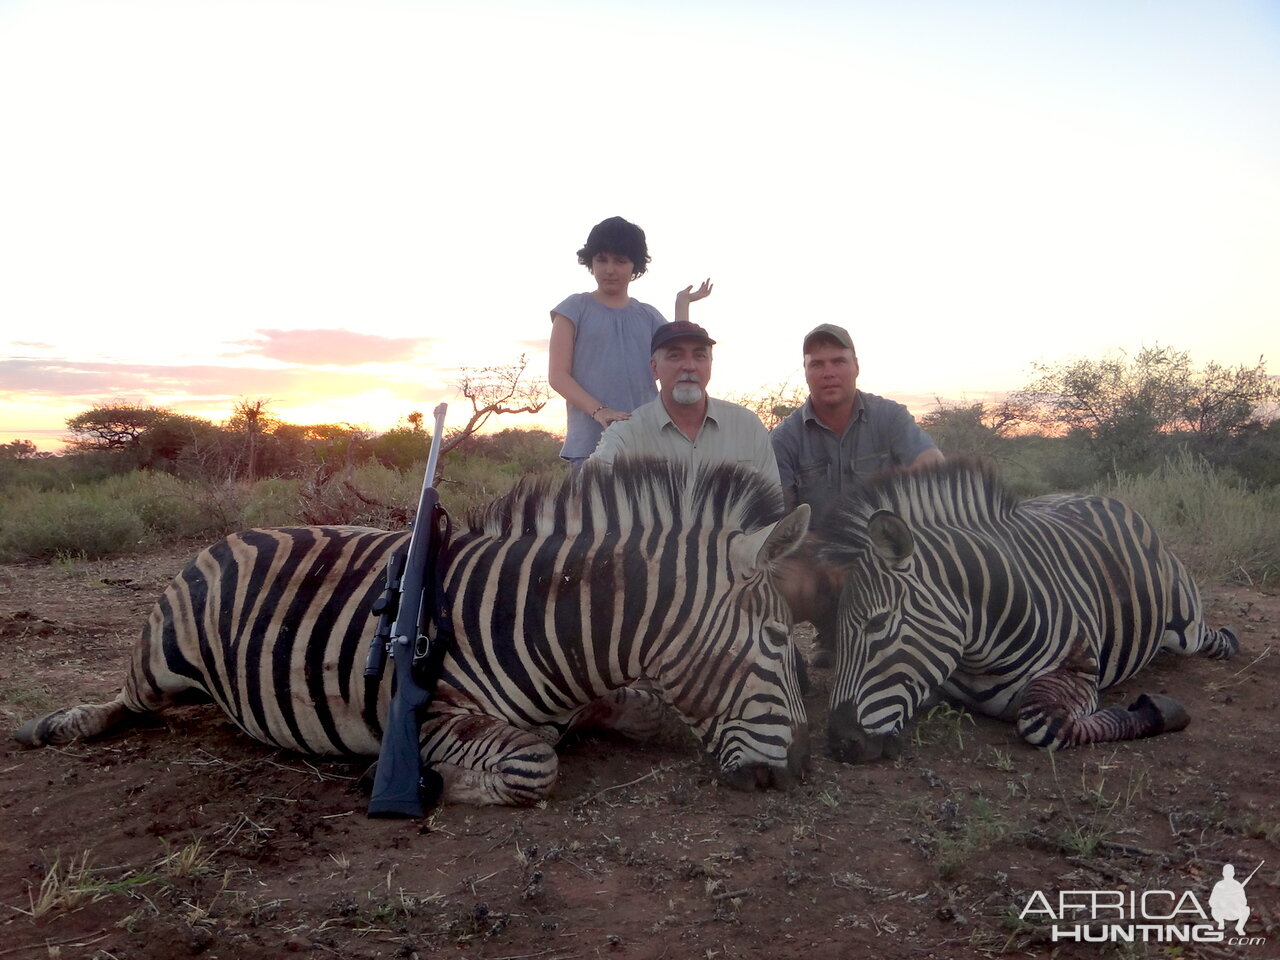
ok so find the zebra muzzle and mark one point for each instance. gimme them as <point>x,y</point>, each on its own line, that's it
<point>850,743</point>
<point>773,776</point>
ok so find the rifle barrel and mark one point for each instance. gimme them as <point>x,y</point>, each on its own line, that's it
<point>434,456</point>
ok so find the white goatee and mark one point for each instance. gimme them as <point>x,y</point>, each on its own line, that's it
<point>686,394</point>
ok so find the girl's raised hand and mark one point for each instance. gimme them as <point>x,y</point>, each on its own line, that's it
<point>689,295</point>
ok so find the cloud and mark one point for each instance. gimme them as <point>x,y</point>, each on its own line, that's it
<point>37,396</point>
<point>343,348</point>
<point>68,378</point>
<point>89,381</point>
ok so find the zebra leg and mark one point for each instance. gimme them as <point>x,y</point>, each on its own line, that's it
<point>88,720</point>
<point>148,688</point>
<point>1060,709</point>
<point>485,761</point>
<point>74,723</point>
<point>633,711</point>
<point>1186,632</point>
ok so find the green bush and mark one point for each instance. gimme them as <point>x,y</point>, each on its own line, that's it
<point>87,522</point>
<point>401,448</point>
<point>1222,528</point>
<point>168,508</point>
<point>396,488</point>
<point>272,503</point>
<point>533,451</point>
<point>65,472</point>
<point>474,482</point>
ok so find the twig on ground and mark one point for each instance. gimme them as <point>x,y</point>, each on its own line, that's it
<point>310,768</point>
<point>1133,851</point>
<point>630,783</point>
<point>1100,869</point>
<point>1236,677</point>
<point>45,944</point>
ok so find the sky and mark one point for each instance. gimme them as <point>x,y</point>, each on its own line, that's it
<point>338,205</point>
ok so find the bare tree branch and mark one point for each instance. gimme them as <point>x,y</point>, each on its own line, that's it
<point>493,391</point>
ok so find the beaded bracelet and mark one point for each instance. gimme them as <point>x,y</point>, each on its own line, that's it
<point>596,410</point>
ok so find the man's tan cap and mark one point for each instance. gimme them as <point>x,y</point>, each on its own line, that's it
<point>839,334</point>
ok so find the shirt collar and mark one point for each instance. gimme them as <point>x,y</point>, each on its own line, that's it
<point>664,418</point>
<point>859,415</point>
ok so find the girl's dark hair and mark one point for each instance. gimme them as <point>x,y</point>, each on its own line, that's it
<point>619,236</point>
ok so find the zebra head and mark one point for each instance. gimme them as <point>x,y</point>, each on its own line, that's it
<point>899,640</point>
<point>735,677</point>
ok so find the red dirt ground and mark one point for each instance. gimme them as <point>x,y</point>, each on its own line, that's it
<point>201,842</point>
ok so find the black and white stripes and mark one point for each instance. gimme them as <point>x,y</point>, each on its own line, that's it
<point>562,595</point>
<point>1020,610</point>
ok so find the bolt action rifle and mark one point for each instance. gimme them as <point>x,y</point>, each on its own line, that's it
<point>414,628</point>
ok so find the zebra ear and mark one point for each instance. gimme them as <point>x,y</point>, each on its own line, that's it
<point>773,542</point>
<point>890,536</point>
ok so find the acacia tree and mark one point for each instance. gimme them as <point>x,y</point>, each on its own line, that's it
<point>112,426</point>
<point>1228,400</point>
<point>154,436</point>
<point>21,450</point>
<point>1125,409</point>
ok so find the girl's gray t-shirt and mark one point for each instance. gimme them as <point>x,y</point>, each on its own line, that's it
<point>610,361</point>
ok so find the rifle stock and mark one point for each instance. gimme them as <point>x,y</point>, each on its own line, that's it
<point>396,784</point>
<point>396,790</point>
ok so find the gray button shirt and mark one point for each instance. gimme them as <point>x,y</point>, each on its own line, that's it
<point>816,466</point>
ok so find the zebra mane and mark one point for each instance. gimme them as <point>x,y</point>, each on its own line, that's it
<point>638,491</point>
<point>963,492</point>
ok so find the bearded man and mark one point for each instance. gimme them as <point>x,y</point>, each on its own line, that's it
<point>684,423</point>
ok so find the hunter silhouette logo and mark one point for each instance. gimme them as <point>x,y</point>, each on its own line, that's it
<point>1147,916</point>
<point>1228,902</point>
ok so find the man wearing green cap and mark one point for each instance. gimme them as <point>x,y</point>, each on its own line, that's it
<point>842,435</point>
<point>839,438</point>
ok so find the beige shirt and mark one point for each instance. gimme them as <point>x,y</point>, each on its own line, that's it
<point>729,434</point>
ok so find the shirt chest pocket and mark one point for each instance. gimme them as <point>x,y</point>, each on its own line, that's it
<point>813,482</point>
<point>868,465</point>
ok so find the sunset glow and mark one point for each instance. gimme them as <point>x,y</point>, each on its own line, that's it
<point>340,205</point>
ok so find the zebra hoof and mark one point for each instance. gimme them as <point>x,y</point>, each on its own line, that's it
<point>39,731</point>
<point>1166,713</point>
